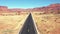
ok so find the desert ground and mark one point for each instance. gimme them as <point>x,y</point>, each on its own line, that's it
<point>47,23</point>
<point>12,24</point>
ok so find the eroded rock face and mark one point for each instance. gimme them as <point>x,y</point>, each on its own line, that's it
<point>53,8</point>
<point>3,8</point>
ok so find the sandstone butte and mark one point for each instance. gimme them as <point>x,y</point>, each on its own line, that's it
<point>53,8</point>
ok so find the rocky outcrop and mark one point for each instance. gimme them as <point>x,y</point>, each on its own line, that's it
<point>3,8</point>
<point>53,8</point>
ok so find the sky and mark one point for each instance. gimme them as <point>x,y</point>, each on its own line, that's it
<point>27,3</point>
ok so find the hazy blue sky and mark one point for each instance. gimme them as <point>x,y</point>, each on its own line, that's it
<point>27,3</point>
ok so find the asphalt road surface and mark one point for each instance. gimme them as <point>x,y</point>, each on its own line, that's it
<point>29,27</point>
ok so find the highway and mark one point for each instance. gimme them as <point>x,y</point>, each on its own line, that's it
<point>28,27</point>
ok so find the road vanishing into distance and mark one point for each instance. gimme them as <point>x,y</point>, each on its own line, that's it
<point>28,27</point>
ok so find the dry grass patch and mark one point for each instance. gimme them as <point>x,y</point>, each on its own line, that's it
<point>48,23</point>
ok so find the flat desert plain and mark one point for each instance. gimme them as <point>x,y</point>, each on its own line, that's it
<point>12,24</point>
<point>47,23</point>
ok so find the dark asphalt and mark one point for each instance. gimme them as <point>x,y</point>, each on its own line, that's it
<point>28,27</point>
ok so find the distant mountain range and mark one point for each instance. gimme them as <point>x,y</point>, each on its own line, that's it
<point>52,8</point>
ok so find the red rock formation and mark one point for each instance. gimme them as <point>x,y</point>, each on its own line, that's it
<point>53,8</point>
<point>3,8</point>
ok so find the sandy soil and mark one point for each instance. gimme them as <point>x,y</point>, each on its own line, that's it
<point>47,23</point>
<point>12,24</point>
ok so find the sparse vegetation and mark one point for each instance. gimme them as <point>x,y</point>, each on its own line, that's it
<point>47,23</point>
<point>12,24</point>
